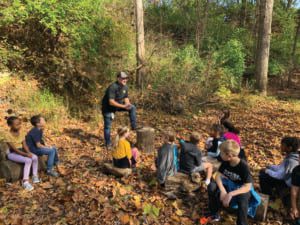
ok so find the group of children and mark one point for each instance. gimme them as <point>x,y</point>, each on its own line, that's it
<point>232,185</point>
<point>25,148</point>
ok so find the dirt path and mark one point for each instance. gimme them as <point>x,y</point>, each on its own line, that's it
<point>84,195</point>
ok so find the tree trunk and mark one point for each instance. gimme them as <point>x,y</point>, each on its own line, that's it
<point>243,13</point>
<point>198,24</point>
<point>293,56</point>
<point>201,23</point>
<point>140,43</point>
<point>263,50</point>
<point>289,4</point>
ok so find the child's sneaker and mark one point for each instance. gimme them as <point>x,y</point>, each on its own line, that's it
<point>27,186</point>
<point>36,179</point>
<point>215,218</point>
<point>209,218</point>
<point>52,173</point>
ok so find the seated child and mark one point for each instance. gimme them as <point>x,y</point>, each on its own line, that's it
<point>294,213</point>
<point>167,159</point>
<point>231,132</point>
<point>123,155</point>
<point>19,151</point>
<point>213,142</point>
<point>279,176</point>
<point>233,186</point>
<point>191,158</point>
<point>36,144</point>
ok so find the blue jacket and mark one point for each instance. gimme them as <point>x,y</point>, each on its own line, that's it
<point>254,201</point>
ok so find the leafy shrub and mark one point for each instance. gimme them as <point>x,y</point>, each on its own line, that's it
<point>231,58</point>
<point>275,68</point>
<point>39,101</point>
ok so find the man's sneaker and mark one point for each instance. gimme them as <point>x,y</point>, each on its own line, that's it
<point>109,147</point>
<point>27,186</point>
<point>36,179</point>
<point>52,173</point>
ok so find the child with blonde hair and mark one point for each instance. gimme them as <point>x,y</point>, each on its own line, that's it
<point>123,155</point>
<point>233,186</point>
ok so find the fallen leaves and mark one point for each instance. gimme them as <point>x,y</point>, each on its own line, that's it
<point>84,195</point>
<point>46,185</point>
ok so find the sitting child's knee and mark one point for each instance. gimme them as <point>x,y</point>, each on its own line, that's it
<point>28,160</point>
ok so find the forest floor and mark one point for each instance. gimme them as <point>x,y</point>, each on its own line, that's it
<point>84,195</point>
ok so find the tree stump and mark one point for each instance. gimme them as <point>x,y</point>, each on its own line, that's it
<point>261,211</point>
<point>12,171</point>
<point>145,139</point>
<point>118,172</point>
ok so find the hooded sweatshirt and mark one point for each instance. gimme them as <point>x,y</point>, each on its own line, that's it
<point>283,171</point>
<point>166,162</point>
<point>190,156</point>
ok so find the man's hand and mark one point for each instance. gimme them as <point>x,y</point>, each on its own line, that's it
<point>227,199</point>
<point>128,106</point>
<point>222,196</point>
<point>294,213</point>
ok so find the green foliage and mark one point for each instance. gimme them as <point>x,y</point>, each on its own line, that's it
<point>231,58</point>
<point>275,68</point>
<point>38,101</point>
<point>151,210</point>
<point>84,23</point>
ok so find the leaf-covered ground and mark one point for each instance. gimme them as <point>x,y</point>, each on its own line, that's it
<point>84,195</point>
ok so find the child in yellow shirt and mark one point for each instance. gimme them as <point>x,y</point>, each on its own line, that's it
<point>123,155</point>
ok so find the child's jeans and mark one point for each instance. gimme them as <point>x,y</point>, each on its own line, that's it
<point>268,183</point>
<point>27,163</point>
<point>215,203</point>
<point>52,156</point>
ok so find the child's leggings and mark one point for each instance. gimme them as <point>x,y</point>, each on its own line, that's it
<point>27,161</point>
<point>135,153</point>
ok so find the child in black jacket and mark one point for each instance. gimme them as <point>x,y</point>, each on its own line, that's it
<point>191,158</point>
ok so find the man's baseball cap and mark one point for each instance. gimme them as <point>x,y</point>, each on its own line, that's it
<point>122,75</point>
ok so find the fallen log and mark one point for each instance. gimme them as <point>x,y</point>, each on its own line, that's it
<point>181,181</point>
<point>12,171</point>
<point>118,172</point>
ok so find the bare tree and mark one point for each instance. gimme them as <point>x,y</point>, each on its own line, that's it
<point>140,43</point>
<point>263,45</point>
<point>293,56</point>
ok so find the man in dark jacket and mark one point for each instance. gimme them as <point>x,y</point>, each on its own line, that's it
<point>116,99</point>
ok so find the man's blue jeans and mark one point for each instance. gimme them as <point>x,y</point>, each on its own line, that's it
<point>108,118</point>
<point>52,156</point>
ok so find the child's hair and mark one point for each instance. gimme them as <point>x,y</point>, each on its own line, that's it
<point>291,142</point>
<point>218,128</point>
<point>230,127</point>
<point>121,131</point>
<point>10,120</point>
<point>226,115</point>
<point>230,147</point>
<point>170,136</point>
<point>195,138</point>
<point>35,120</point>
